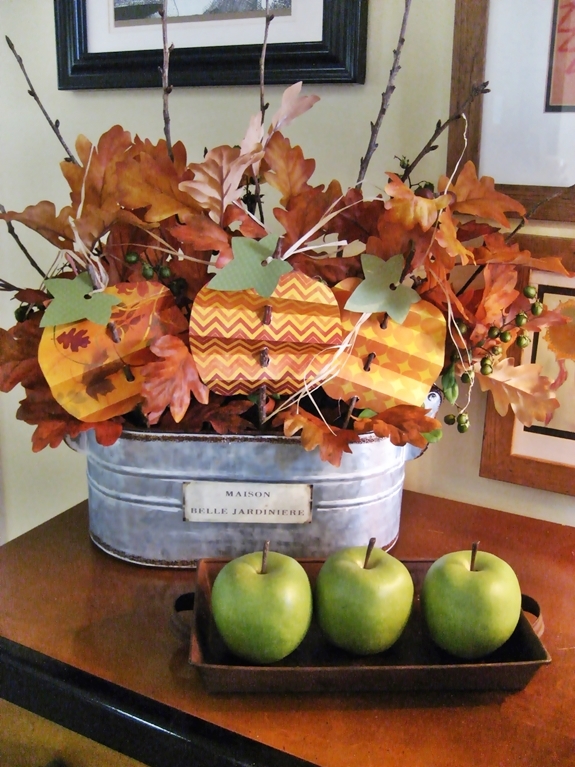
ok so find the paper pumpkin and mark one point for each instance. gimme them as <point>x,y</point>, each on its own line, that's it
<point>406,359</point>
<point>241,340</point>
<point>93,369</point>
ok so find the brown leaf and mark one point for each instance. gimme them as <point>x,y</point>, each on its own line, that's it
<point>217,180</point>
<point>293,105</point>
<point>204,235</point>
<point>498,294</point>
<point>530,394</point>
<point>478,197</point>
<point>402,424</point>
<point>332,441</point>
<point>289,172</point>
<point>305,210</point>
<point>19,354</point>
<point>224,418</point>
<point>43,219</point>
<point>168,383</point>
<point>497,250</point>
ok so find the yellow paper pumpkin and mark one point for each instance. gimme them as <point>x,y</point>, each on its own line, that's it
<point>406,359</point>
<point>93,370</point>
<point>240,340</point>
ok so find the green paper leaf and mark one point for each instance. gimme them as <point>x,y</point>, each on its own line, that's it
<point>248,270</point>
<point>449,384</point>
<point>380,291</point>
<point>72,302</point>
<point>367,413</point>
<point>433,436</point>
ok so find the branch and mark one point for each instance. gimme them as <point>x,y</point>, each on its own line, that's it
<point>8,286</point>
<point>32,91</point>
<point>478,89</point>
<point>166,87</point>
<point>12,233</point>
<point>385,99</point>
<point>269,19</point>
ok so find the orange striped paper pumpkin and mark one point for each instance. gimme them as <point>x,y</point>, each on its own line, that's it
<point>239,344</point>
<point>408,357</point>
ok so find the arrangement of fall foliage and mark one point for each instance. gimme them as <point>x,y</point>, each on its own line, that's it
<point>173,306</point>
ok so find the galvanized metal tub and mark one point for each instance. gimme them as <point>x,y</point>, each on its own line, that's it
<point>136,489</point>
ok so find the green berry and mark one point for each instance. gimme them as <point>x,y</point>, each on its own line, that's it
<point>521,319</point>
<point>21,312</point>
<point>465,378</point>
<point>462,418</point>
<point>486,368</point>
<point>530,291</point>
<point>131,257</point>
<point>461,326</point>
<point>147,272</point>
<point>522,341</point>
<point>462,427</point>
<point>536,308</point>
<point>165,272</point>
<point>449,419</point>
<point>505,336</point>
<point>493,332</point>
<point>496,350</point>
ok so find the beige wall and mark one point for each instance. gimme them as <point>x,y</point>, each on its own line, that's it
<point>335,133</point>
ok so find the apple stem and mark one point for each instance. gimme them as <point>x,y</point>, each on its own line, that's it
<point>474,547</point>
<point>265,558</point>
<point>370,546</point>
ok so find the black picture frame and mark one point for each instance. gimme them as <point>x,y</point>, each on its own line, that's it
<point>340,57</point>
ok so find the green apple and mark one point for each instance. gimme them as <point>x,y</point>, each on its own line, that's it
<point>471,607</point>
<point>363,599</point>
<point>262,616</point>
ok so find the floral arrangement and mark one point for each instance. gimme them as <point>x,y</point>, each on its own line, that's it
<point>173,303</point>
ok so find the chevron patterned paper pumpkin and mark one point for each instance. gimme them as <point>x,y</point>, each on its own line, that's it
<point>238,343</point>
<point>93,370</point>
<point>408,357</point>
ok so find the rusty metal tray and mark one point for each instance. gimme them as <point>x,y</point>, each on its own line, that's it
<point>413,663</point>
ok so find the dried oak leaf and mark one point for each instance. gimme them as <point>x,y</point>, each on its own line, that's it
<point>224,418</point>
<point>402,424</point>
<point>169,382</point>
<point>332,441</point>
<point>42,218</point>
<point>53,423</point>
<point>288,171</point>
<point>203,234</point>
<point>478,197</point>
<point>19,354</point>
<point>497,250</point>
<point>292,105</point>
<point>410,210</point>
<point>498,294</point>
<point>217,180</point>
<point>530,394</point>
<point>448,237</point>
<point>305,210</point>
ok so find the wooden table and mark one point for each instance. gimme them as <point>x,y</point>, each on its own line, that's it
<point>90,642</point>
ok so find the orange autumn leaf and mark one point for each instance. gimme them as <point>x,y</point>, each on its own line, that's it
<point>498,294</point>
<point>407,208</point>
<point>478,197</point>
<point>288,171</point>
<point>402,424</point>
<point>42,218</point>
<point>204,235</point>
<point>496,249</point>
<point>522,387</point>
<point>331,441</point>
<point>169,382</point>
<point>447,237</point>
<point>19,354</point>
<point>305,210</point>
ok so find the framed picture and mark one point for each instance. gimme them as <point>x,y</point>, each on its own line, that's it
<point>521,132</point>
<point>542,456</point>
<point>118,43</point>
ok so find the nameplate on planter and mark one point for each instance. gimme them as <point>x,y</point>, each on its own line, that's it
<point>247,502</point>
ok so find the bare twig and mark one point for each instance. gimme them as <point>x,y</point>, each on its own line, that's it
<point>350,409</point>
<point>7,286</point>
<point>478,89</point>
<point>269,19</point>
<point>385,99</point>
<point>55,125</point>
<point>166,87</point>
<point>12,233</point>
